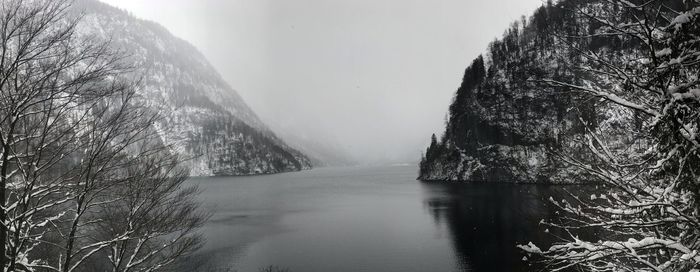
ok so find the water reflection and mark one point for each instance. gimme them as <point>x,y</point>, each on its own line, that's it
<point>368,219</point>
<point>487,221</point>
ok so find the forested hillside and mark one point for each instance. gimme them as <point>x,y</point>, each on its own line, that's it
<point>201,115</point>
<point>505,125</point>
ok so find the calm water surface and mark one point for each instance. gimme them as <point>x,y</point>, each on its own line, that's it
<point>367,219</point>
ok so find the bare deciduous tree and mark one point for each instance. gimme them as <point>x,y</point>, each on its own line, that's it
<point>650,215</point>
<point>77,152</point>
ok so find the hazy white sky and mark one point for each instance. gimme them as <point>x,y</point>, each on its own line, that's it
<point>373,76</point>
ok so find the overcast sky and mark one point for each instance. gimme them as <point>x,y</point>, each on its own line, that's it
<point>373,76</point>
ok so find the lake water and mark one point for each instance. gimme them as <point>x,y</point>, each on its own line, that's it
<point>368,219</point>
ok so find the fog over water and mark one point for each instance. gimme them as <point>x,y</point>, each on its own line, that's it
<point>374,77</point>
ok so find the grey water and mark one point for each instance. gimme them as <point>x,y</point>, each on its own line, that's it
<point>368,219</point>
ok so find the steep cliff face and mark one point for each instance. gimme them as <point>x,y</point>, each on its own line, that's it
<point>202,115</point>
<point>503,126</point>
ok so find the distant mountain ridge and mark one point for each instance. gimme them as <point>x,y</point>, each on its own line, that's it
<point>203,116</point>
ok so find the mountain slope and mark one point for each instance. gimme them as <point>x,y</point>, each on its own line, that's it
<point>203,116</point>
<point>504,127</point>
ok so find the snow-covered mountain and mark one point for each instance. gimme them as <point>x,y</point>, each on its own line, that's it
<point>203,116</point>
